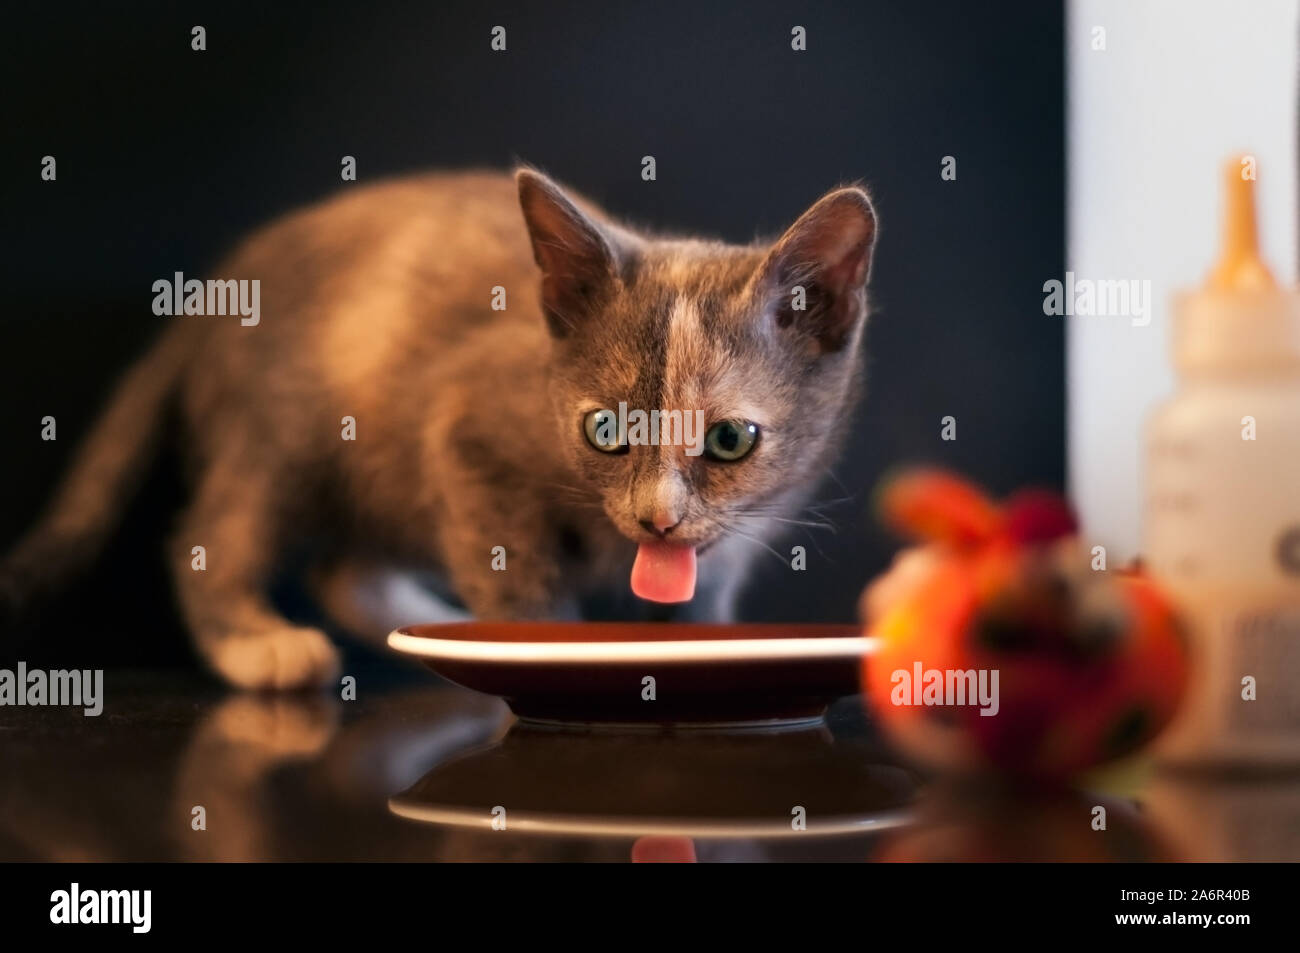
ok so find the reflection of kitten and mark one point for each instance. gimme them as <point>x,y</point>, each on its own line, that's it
<point>474,427</point>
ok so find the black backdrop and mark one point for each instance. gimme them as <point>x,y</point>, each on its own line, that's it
<point>165,156</point>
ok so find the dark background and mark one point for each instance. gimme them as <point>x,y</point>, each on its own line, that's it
<point>166,156</point>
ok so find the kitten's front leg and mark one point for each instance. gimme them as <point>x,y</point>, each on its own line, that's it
<point>506,597</point>
<point>369,600</point>
<point>500,571</point>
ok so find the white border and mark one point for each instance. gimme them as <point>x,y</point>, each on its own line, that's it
<point>686,650</point>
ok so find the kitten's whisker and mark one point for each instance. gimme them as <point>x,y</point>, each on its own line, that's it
<point>806,524</point>
<point>810,524</point>
<point>830,472</point>
<point>835,501</point>
<point>753,539</point>
<point>575,497</point>
<point>787,520</point>
<point>577,491</point>
<point>749,513</point>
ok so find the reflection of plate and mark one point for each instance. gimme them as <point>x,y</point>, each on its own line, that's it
<point>596,826</point>
<point>598,672</point>
<point>712,785</point>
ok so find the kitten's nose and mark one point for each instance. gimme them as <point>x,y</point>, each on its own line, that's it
<point>661,525</point>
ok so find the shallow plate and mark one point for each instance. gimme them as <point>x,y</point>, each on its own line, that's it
<point>647,673</point>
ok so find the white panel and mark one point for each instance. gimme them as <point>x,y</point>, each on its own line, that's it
<point>1181,85</point>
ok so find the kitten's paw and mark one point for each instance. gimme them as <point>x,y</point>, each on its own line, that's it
<point>283,659</point>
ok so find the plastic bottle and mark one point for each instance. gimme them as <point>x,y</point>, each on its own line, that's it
<point>1222,508</point>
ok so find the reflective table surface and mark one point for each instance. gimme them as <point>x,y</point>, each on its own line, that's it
<point>414,769</point>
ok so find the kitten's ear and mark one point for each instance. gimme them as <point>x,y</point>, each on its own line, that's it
<point>827,253</point>
<point>577,259</point>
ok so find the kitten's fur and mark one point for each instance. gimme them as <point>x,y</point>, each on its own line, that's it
<point>376,305</point>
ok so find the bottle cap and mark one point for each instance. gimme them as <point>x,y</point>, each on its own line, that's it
<point>1240,319</point>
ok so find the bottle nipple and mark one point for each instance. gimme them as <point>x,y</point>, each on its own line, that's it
<point>1239,267</point>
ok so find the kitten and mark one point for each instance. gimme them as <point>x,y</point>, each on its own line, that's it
<point>485,441</point>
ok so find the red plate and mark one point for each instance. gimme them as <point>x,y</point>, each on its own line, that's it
<point>646,673</point>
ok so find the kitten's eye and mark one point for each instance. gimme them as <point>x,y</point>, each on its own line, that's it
<point>730,440</point>
<point>601,428</point>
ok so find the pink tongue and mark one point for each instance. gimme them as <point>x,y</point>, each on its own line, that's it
<point>664,572</point>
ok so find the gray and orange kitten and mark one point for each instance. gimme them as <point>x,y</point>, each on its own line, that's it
<point>474,426</point>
